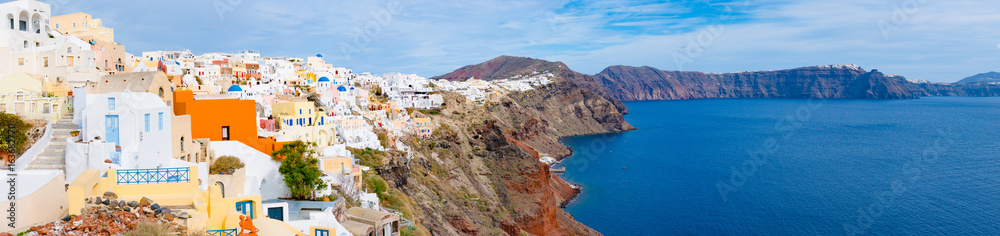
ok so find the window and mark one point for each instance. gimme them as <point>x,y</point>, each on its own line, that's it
<point>24,25</point>
<point>3,107</point>
<point>245,208</point>
<point>161,92</point>
<point>300,111</point>
<point>111,104</point>
<point>31,107</point>
<point>161,120</point>
<point>322,232</point>
<point>225,133</point>
<point>69,50</point>
<point>182,144</point>
<point>45,61</point>
<point>11,23</point>
<point>147,122</point>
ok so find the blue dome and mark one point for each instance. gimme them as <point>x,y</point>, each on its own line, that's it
<point>323,79</point>
<point>235,88</point>
<point>352,88</point>
<point>319,55</point>
<point>342,89</point>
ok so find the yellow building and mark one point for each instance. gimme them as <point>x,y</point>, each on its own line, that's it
<point>31,97</point>
<point>82,25</point>
<point>297,113</point>
<point>178,187</point>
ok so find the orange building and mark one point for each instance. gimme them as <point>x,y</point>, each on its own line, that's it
<point>223,120</point>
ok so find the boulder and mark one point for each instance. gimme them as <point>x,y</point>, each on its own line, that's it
<point>133,204</point>
<point>154,206</point>
<point>145,202</point>
<point>111,195</point>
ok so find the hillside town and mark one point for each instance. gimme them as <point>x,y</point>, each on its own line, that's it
<point>217,143</point>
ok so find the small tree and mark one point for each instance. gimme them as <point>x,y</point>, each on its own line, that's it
<point>300,168</point>
<point>225,165</point>
<point>13,133</point>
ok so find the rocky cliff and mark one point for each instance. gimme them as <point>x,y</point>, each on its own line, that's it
<point>839,81</point>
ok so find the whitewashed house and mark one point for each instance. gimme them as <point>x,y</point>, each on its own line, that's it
<point>125,130</point>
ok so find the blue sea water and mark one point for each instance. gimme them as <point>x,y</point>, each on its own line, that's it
<point>929,166</point>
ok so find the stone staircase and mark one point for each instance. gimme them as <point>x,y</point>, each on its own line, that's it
<point>54,156</point>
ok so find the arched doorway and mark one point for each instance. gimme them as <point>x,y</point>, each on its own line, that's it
<point>222,188</point>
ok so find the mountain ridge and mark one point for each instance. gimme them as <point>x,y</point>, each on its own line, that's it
<point>629,83</point>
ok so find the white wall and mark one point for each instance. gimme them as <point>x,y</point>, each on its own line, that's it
<point>139,149</point>
<point>262,176</point>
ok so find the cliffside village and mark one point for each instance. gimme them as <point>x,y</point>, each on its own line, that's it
<point>146,128</point>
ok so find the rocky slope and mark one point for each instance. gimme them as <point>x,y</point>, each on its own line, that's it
<point>840,81</point>
<point>479,173</point>
<point>846,81</point>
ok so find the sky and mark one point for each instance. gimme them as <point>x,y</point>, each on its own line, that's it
<point>934,40</point>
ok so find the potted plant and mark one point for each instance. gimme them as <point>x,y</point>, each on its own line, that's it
<point>74,133</point>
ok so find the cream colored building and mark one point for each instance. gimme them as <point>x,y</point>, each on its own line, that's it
<point>111,57</point>
<point>28,44</point>
<point>82,25</point>
<point>26,95</point>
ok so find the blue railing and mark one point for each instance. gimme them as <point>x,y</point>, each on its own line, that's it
<point>154,176</point>
<point>222,232</point>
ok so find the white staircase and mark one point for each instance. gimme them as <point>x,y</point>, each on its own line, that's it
<point>54,156</point>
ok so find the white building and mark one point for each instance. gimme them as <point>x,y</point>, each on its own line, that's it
<point>27,44</point>
<point>124,130</point>
<point>167,55</point>
<point>356,133</point>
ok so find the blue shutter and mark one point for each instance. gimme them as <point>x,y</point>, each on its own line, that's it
<point>161,120</point>
<point>147,122</point>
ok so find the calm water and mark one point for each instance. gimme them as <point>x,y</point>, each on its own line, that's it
<point>836,167</point>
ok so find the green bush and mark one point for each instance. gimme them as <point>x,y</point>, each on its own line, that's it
<point>225,165</point>
<point>369,157</point>
<point>300,169</point>
<point>13,133</point>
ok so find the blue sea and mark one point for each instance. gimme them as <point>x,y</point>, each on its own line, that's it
<point>928,166</point>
